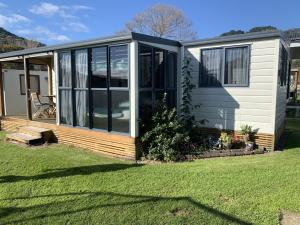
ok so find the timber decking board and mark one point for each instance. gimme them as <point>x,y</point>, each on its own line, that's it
<point>115,145</point>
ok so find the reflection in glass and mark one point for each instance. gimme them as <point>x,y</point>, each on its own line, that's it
<point>119,66</point>
<point>99,67</point>
<point>100,115</point>
<point>120,112</point>
<point>145,66</point>
<point>82,108</point>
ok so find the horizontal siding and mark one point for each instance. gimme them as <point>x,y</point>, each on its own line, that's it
<point>229,107</point>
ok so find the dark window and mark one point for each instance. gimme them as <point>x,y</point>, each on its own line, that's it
<point>228,66</point>
<point>100,113</point>
<point>157,76</point>
<point>99,67</point>
<point>145,66</point>
<point>236,66</point>
<point>283,66</point>
<point>120,113</point>
<point>119,66</point>
<point>34,84</point>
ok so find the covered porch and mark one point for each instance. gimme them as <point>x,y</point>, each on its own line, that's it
<point>40,105</point>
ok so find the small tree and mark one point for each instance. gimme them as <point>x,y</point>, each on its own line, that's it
<point>164,21</point>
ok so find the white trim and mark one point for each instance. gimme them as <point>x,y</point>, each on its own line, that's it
<point>55,62</point>
<point>133,84</point>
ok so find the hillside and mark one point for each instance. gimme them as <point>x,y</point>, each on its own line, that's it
<point>12,42</point>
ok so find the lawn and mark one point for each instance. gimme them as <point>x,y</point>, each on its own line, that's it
<point>63,185</point>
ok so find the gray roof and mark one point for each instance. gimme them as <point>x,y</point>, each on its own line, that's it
<point>231,38</point>
<point>142,37</point>
<point>97,41</point>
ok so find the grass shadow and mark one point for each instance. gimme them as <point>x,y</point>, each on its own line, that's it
<point>129,200</point>
<point>67,172</point>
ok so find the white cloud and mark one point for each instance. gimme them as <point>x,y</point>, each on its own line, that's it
<point>48,9</point>
<point>45,9</point>
<point>75,26</point>
<point>43,34</point>
<point>12,19</point>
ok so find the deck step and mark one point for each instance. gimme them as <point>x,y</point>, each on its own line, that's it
<point>45,134</point>
<point>23,138</point>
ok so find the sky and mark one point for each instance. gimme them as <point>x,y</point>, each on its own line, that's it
<point>54,22</point>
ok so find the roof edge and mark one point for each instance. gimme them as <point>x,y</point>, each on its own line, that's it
<point>237,37</point>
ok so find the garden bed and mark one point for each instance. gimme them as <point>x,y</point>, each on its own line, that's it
<point>224,153</point>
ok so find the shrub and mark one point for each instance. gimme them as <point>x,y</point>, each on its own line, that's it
<point>166,138</point>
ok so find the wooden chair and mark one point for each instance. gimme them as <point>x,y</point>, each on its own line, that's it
<point>42,109</point>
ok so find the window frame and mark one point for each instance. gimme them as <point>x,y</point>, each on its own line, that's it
<point>33,75</point>
<point>223,70</point>
<point>90,89</point>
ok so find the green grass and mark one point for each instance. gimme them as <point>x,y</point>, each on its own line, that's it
<point>63,185</point>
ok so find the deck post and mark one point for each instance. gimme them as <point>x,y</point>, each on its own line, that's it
<point>27,88</point>
<point>50,77</point>
<point>2,105</point>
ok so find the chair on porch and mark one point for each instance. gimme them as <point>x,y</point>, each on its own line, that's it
<point>42,109</point>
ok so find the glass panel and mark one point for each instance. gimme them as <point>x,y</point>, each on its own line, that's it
<point>120,111</point>
<point>159,69</point>
<point>145,66</point>
<point>65,113</point>
<point>100,115</point>
<point>82,108</point>
<point>65,79</point>
<point>211,68</point>
<point>119,66</point>
<point>236,66</point>
<point>145,109</point>
<point>34,84</point>
<point>171,69</point>
<point>171,98</point>
<point>81,69</point>
<point>158,96</point>
<point>99,67</point>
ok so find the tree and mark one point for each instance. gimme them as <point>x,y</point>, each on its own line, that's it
<point>232,32</point>
<point>262,28</point>
<point>163,21</point>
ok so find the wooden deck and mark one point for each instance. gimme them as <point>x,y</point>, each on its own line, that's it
<point>106,143</point>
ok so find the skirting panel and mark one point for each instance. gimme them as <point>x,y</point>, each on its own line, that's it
<point>107,143</point>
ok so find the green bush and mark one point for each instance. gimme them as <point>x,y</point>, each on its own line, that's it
<point>166,138</point>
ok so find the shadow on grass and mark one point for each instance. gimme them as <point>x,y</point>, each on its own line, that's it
<point>130,200</point>
<point>67,172</point>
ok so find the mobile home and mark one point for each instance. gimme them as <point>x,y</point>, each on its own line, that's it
<point>104,86</point>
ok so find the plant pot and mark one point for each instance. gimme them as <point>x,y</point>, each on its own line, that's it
<point>246,138</point>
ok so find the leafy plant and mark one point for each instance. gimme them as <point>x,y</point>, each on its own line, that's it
<point>246,129</point>
<point>226,140</point>
<point>166,139</point>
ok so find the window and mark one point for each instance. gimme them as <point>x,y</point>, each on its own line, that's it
<point>34,84</point>
<point>228,66</point>
<point>99,67</point>
<point>157,75</point>
<point>93,88</point>
<point>236,66</point>
<point>283,66</point>
<point>65,89</point>
<point>119,66</point>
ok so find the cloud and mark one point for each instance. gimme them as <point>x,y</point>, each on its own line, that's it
<point>49,9</point>
<point>12,19</point>
<point>43,34</point>
<point>75,26</point>
<point>45,9</point>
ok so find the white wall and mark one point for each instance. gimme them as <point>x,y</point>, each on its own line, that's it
<point>229,107</point>
<point>15,103</point>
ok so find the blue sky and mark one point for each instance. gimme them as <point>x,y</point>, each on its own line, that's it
<point>53,22</point>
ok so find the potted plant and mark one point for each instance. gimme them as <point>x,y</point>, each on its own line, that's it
<point>246,131</point>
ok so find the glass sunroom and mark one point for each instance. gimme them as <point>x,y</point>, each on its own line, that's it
<point>104,86</point>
